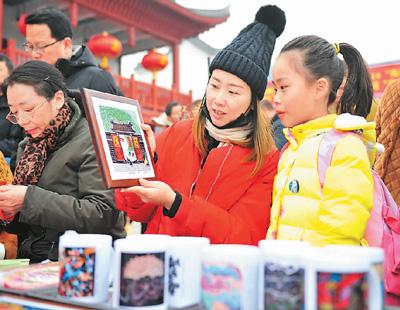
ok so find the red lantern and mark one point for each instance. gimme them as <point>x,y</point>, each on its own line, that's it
<point>105,46</point>
<point>154,61</point>
<point>22,25</point>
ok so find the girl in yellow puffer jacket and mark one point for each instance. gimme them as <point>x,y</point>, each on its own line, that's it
<point>306,77</point>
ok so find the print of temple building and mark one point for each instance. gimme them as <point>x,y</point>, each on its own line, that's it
<point>125,145</point>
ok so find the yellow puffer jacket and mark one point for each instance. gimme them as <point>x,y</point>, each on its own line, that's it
<point>337,213</point>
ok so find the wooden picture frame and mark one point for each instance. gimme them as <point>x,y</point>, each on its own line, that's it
<point>122,148</point>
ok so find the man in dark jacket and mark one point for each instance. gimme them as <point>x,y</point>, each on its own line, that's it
<point>49,38</point>
<point>10,134</point>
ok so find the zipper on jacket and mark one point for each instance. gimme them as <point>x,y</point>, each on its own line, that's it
<point>216,178</point>
<point>219,172</point>
<point>52,247</point>
<point>195,181</point>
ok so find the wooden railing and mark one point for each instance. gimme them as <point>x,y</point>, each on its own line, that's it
<point>152,99</point>
<point>17,56</point>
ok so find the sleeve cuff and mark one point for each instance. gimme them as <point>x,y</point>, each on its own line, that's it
<point>2,251</point>
<point>2,216</point>
<point>175,206</point>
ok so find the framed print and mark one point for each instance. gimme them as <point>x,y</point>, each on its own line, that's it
<point>122,148</point>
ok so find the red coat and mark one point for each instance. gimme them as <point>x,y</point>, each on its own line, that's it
<point>226,205</point>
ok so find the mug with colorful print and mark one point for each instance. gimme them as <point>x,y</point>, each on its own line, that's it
<point>282,274</point>
<point>85,261</point>
<point>337,281</point>
<point>229,277</point>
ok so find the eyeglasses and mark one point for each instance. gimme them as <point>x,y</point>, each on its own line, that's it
<point>38,49</point>
<point>26,115</point>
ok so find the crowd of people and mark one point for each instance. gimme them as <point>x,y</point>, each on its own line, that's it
<point>238,169</point>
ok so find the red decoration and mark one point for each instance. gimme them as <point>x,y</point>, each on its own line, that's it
<point>382,75</point>
<point>154,61</point>
<point>105,46</point>
<point>22,25</point>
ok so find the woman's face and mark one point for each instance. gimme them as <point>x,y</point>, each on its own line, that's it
<point>23,98</point>
<point>297,100</point>
<point>228,97</point>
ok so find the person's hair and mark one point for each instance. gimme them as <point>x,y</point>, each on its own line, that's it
<point>319,59</point>
<point>169,107</point>
<point>260,141</point>
<point>9,64</point>
<point>59,23</point>
<point>43,77</point>
<point>196,102</point>
<point>265,104</point>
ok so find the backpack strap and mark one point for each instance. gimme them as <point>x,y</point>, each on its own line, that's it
<point>326,147</point>
<point>390,214</point>
<point>325,153</point>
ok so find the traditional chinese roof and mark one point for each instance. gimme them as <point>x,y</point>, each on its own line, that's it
<point>122,128</point>
<point>139,24</point>
<point>154,23</point>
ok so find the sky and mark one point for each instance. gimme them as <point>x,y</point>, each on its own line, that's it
<point>372,26</point>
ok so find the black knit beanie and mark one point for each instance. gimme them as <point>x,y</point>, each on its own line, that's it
<point>249,54</point>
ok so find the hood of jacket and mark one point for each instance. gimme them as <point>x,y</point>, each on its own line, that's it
<point>81,57</point>
<point>162,120</point>
<point>344,122</point>
<point>366,130</point>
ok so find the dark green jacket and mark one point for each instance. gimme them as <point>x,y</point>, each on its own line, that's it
<point>69,196</point>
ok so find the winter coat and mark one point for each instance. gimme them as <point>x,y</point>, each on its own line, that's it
<point>10,134</point>
<point>387,120</point>
<point>69,196</point>
<point>82,71</point>
<point>226,205</point>
<point>337,213</point>
<point>277,132</point>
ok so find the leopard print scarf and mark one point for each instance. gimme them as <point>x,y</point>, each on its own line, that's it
<point>31,164</point>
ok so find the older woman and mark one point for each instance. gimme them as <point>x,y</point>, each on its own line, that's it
<point>57,184</point>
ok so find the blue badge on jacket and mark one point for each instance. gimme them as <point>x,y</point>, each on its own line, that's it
<point>294,186</point>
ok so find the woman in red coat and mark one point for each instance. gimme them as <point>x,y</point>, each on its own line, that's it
<point>216,172</point>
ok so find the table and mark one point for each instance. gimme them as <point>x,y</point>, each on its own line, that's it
<point>49,299</point>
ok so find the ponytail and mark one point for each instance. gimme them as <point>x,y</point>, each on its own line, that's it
<point>358,91</point>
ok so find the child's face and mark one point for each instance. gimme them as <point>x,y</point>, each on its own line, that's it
<point>296,100</point>
<point>228,96</point>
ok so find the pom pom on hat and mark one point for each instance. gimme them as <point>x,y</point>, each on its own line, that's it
<point>248,56</point>
<point>272,16</point>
